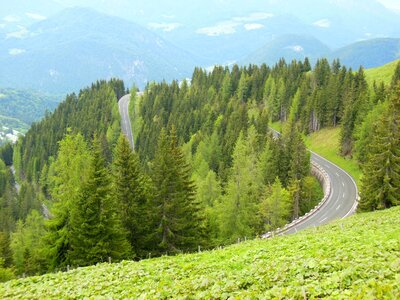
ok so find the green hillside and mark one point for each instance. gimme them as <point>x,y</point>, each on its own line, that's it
<point>381,74</point>
<point>326,143</point>
<point>356,258</point>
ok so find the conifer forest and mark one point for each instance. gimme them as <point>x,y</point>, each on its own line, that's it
<point>205,171</point>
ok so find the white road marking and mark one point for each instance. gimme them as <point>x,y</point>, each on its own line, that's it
<point>338,207</point>
<point>323,219</point>
<point>337,174</point>
<point>342,183</point>
<point>344,195</point>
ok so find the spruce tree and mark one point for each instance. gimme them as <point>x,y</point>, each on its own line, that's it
<point>238,217</point>
<point>96,232</point>
<point>129,192</point>
<point>275,207</point>
<point>178,220</point>
<point>5,250</point>
<point>299,167</point>
<point>381,178</point>
<point>70,171</point>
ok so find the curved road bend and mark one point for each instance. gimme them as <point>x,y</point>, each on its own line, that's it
<point>342,201</point>
<point>123,105</point>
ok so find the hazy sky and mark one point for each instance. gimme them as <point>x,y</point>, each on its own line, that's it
<point>393,4</point>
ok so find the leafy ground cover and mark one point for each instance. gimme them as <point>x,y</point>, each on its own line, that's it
<point>356,258</point>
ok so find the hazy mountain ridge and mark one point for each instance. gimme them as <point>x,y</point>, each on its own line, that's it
<point>369,53</point>
<point>78,46</point>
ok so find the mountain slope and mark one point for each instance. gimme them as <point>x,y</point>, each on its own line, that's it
<point>26,106</point>
<point>353,258</point>
<point>382,74</point>
<point>289,47</point>
<point>79,46</point>
<point>369,53</point>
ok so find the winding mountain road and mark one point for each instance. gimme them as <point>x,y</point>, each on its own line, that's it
<point>340,202</point>
<point>123,105</point>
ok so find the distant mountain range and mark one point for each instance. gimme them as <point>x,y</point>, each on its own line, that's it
<point>369,53</point>
<point>70,49</point>
<point>78,46</point>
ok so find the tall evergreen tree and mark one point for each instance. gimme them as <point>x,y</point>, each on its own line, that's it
<point>70,172</point>
<point>26,245</point>
<point>275,207</point>
<point>178,220</point>
<point>96,232</point>
<point>129,192</point>
<point>299,167</point>
<point>381,178</point>
<point>238,209</point>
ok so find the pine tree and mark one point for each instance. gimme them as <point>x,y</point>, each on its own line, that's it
<point>5,250</point>
<point>129,192</point>
<point>238,217</point>
<point>26,245</point>
<point>381,180</point>
<point>70,171</point>
<point>178,220</point>
<point>275,207</point>
<point>299,167</point>
<point>268,162</point>
<point>96,232</point>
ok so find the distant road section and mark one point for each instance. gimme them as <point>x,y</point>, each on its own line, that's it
<point>340,203</point>
<point>126,127</point>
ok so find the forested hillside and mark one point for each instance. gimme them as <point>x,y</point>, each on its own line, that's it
<point>206,170</point>
<point>20,108</point>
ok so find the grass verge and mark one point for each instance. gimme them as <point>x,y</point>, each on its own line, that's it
<point>326,143</point>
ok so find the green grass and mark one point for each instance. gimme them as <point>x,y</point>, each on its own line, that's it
<point>381,74</point>
<point>326,143</point>
<point>276,125</point>
<point>356,258</point>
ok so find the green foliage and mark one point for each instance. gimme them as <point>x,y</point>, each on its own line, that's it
<point>70,171</point>
<point>94,110</point>
<point>275,208</point>
<point>381,182</point>
<point>177,209</point>
<point>326,143</point>
<point>20,108</point>
<point>355,258</point>
<point>5,250</point>
<point>96,232</point>
<point>311,194</point>
<point>26,244</point>
<point>381,74</point>
<point>129,190</point>
<point>5,273</point>
<point>177,216</point>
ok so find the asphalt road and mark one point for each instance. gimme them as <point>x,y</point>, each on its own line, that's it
<point>341,203</point>
<point>126,127</point>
